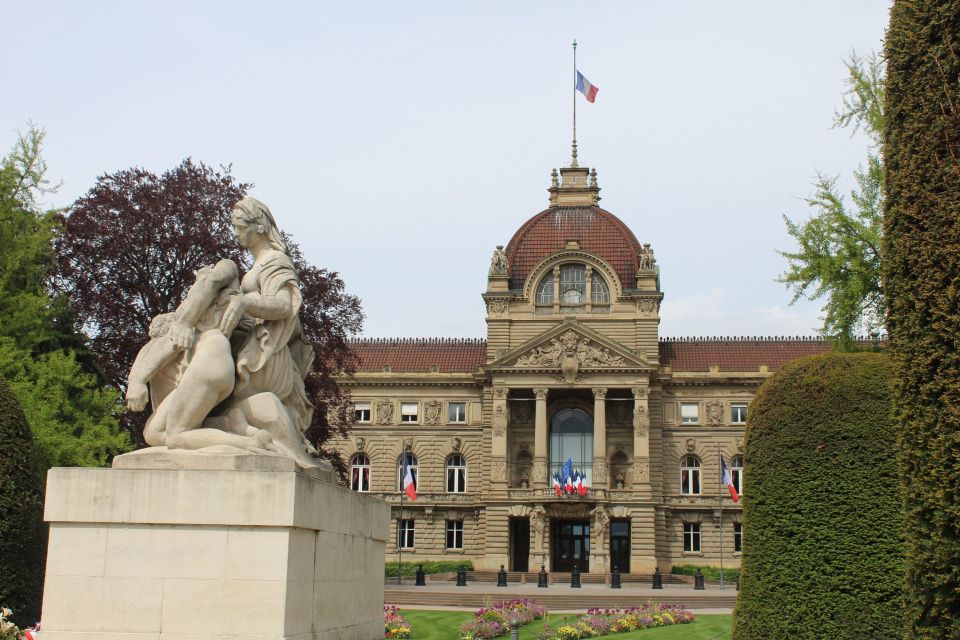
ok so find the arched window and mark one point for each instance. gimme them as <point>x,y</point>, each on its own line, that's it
<point>456,474</point>
<point>412,463</point>
<point>545,290</point>
<point>572,286</point>
<point>736,472</point>
<point>690,475</point>
<point>360,472</point>
<point>571,437</point>
<point>599,292</point>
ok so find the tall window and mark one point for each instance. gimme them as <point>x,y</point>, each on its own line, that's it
<point>457,411</point>
<point>571,436</point>
<point>738,536</point>
<point>736,472</point>
<point>412,463</point>
<point>689,412</point>
<point>361,412</point>
<point>690,475</point>
<point>408,411</point>
<point>454,534</point>
<point>738,414</point>
<point>573,283</point>
<point>360,473</point>
<point>405,533</point>
<point>691,536</point>
<point>456,474</point>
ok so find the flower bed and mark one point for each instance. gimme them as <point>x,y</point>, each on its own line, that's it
<point>494,621</point>
<point>394,624</point>
<point>603,622</point>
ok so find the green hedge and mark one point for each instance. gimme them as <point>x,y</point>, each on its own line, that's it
<point>710,573</point>
<point>922,278</point>
<point>822,549</point>
<point>429,567</point>
<point>23,536</point>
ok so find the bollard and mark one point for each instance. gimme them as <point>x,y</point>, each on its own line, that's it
<point>542,577</point>
<point>575,577</point>
<point>738,584</point>
<point>461,576</point>
<point>698,581</point>
<point>421,577</point>
<point>615,578</point>
<point>514,628</point>
<point>657,579</point>
<point>501,577</point>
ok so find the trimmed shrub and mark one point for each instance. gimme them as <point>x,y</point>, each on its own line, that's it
<point>822,547</point>
<point>922,278</point>
<point>23,536</point>
<point>390,569</point>
<point>709,572</point>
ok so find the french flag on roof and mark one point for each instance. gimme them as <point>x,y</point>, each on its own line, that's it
<point>588,90</point>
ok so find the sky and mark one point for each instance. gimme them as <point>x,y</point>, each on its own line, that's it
<point>400,142</point>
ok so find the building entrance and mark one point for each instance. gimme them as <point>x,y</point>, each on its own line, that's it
<point>519,544</point>
<point>570,544</point>
<point>620,545</point>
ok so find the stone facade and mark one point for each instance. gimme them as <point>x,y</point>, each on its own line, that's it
<point>572,366</point>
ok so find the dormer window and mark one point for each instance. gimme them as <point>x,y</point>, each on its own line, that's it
<point>573,285</point>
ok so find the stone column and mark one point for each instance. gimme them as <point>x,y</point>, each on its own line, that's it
<point>540,467</point>
<point>641,438</point>
<point>600,437</point>
<point>498,445</point>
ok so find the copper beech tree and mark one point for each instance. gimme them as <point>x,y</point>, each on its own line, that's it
<point>128,251</point>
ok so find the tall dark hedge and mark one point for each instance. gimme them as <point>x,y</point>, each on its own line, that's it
<point>922,282</point>
<point>822,543</point>
<point>23,536</point>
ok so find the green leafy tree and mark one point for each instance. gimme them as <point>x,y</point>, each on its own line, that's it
<point>840,253</point>
<point>921,149</point>
<point>71,413</point>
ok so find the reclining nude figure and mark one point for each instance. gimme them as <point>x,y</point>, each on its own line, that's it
<point>256,389</point>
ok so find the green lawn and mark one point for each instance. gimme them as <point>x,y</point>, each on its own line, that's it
<point>443,625</point>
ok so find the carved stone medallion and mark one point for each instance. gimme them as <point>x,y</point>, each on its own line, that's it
<point>384,412</point>
<point>432,412</point>
<point>648,306</point>
<point>691,445</point>
<point>497,306</point>
<point>714,412</point>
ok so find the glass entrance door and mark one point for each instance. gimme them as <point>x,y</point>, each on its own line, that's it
<point>620,545</point>
<point>570,545</point>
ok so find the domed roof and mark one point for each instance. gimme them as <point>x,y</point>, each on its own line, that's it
<point>599,232</point>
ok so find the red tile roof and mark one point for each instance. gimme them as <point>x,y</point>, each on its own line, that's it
<point>447,355</point>
<point>599,232</point>
<point>736,354</point>
<point>680,354</point>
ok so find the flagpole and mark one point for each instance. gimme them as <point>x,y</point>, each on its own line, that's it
<point>720,500</point>
<point>403,473</point>
<point>573,162</point>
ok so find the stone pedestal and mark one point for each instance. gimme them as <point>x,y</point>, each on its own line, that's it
<point>213,545</point>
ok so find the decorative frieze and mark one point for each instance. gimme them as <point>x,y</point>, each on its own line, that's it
<point>499,421</point>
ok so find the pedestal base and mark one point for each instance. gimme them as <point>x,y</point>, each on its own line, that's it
<point>192,547</point>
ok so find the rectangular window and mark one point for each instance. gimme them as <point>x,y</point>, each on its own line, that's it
<point>691,536</point>
<point>738,414</point>
<point>360,478</point>
<point>454,534</point>
<point>405,534</point>
<point>408,411</point>
<point>458,411</point>
<point>738,536</point>
<point>361,412</point>
<point>690,412</point>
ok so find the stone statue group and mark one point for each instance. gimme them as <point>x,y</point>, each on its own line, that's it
<point>227,368</point>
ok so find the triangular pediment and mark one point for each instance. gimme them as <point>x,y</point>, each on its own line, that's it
<point>591,350</point>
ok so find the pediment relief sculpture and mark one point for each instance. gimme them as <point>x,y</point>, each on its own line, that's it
<point>570,351</point>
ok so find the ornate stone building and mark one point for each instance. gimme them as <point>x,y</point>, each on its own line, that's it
<point>572,367</point>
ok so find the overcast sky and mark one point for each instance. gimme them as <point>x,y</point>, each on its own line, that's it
<point>399,142</point>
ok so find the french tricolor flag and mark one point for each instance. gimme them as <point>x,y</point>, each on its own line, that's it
<point>588,90</point>
<point>728,480</point>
